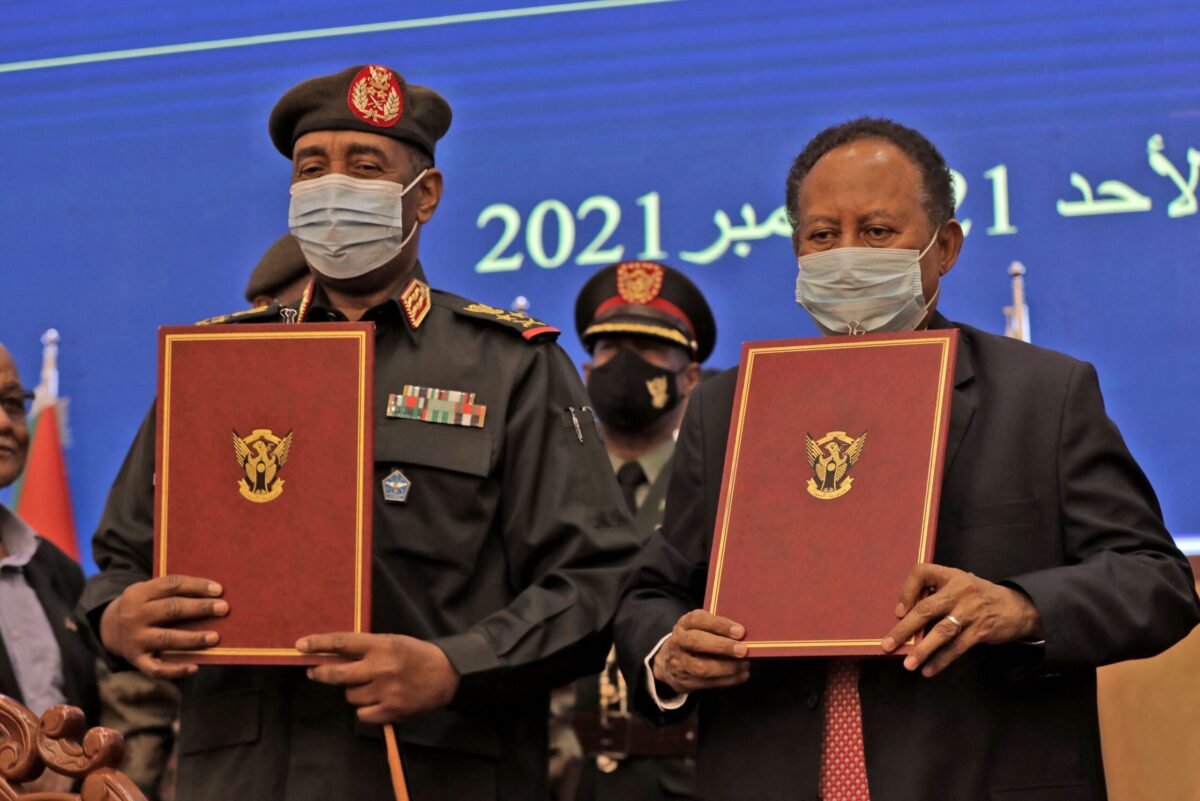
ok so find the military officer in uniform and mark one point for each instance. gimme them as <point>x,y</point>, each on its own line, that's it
<point>648,329</point>
<point>499,543</point>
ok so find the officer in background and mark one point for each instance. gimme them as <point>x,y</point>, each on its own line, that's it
<point>500,539</point>
<point>648,329</point>
<point>280,275</point>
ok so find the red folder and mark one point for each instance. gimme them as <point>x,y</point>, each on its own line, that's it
<point>830,494</point>
<point>264,479</point>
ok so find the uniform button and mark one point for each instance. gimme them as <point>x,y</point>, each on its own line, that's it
<point>813,699</point>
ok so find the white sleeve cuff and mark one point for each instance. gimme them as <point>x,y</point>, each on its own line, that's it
<point>671,703</point>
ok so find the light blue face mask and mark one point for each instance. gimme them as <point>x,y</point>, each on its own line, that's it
<point>863,290</point>
<point>347,227</point>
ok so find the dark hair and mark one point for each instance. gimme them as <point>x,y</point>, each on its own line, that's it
<point>937,191</point>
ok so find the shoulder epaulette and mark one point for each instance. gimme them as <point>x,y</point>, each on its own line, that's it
<point>245,316</point>
<point>528,327</point>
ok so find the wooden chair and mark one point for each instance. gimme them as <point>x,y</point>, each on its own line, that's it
<point>61,742</point>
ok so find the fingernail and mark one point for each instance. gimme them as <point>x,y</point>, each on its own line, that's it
<point>899,610</point>
<point>888,643</point>
<point>221,608</point>
<point>301,645</point>
<point>211,638</point>
<point>927,671</point>
<point>740,650</point>
<point>737,632</point>
<point>309,673</point>
<point>910,662</point>
<point>214,588</point>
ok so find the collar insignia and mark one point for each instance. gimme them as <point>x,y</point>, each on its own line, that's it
<point>416,302</point>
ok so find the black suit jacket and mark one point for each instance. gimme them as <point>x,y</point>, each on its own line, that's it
<point>58,581</point>
<point>1039,492</point>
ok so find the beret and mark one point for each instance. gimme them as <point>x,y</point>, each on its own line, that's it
<point>369,98</point>
<point>645,299</point>
<point>282,264</point>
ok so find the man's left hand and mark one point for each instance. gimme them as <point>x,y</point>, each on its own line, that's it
<point>392,677</point>
<point>963,610</point>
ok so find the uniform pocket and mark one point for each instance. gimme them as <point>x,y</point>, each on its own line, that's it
<point>459,449</point>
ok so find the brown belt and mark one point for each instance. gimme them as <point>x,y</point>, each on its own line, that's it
<point>625,735</point>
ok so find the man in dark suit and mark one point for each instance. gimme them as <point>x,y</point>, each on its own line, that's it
<point>1051,558</point>
<point>43,659</point>
<point>648,329</point>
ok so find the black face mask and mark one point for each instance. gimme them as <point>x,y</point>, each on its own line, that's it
<point>630,393</point>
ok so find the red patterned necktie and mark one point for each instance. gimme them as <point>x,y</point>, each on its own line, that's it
<point>843,763</point>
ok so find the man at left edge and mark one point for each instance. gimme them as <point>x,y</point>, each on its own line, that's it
<point>499,544</point>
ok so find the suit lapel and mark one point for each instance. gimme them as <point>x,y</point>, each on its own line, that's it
<point>965,400</point>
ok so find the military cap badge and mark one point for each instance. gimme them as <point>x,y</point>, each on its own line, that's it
<point>639,281</point>
<point>375,96</point>
<point>831,458</point>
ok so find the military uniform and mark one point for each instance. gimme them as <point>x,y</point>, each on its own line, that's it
<point>624,756</point>
<point>507,552</point>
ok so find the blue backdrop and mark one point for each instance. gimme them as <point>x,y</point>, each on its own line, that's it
<point>140,186</point>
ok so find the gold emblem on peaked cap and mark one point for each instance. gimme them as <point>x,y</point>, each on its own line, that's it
<point>831,458</point>
<point>639,281</point>
<point>375,96</point>
<point>261,455</point>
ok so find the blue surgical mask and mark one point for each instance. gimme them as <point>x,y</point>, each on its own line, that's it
<point>347,227</point>
<point>863,290</point>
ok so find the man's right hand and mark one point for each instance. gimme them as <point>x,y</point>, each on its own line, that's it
<point>132,626</point>
<point>702,653</point>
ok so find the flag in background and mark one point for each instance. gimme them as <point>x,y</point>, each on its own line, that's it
<point>42,497</point>
<point>1016,316</point>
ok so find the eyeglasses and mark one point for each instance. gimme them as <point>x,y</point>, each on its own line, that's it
<point>16,404</point>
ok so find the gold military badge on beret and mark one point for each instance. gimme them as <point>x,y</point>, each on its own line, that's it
<point>375,96</point>
<point>639,281</point>
<point>831,458</point>
<point>262,455</point>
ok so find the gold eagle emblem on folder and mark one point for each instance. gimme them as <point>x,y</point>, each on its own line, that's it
<point>261,455</point>
<point>831,458</point>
